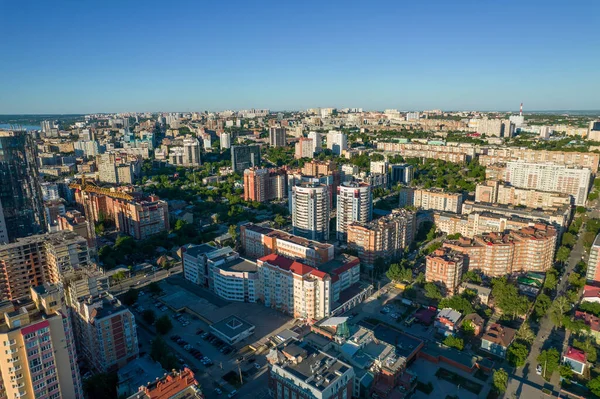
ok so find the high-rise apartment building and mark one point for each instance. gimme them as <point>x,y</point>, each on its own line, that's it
<point>20,193</point>
<point>106,332</point>
<point>244,157</point>
<point>354,204</point>
<point>310,205</point>
<point>316,141</point>
<point>402,173</point>
<point>381,167</point>
<point>593,268</point>
<point>117,169</point>
<point>304,148</point>
<point>456,154</point>
<point>225,140</point>
<point>38,359</point>
<point>277,136</point>
<point>258,241</point>
<point>191,151</point>
<point>139,217</point>
<point>498,254</point>
<point>432,199</point>
<point>39,259</point>
<point>337,142</point>
<point>495,192</point>
<point>384,238</point>
<point>262,185</point>
<point>494,155</point>
<point>444,266</point>
<point>549,177</point>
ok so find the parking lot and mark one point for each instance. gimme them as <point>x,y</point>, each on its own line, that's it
<point>206,355</point>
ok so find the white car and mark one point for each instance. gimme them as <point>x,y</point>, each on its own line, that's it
<point>538,369</point>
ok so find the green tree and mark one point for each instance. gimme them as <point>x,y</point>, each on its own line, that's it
<point>559,307</point>
<point>580,210</point>
<point>594,386</point>
<point>562,255</point>
<point>233,233</point>
<point>542,304</point>
<point>431,233</point>
<point>524,333</point>
<point>550,360</point>
<point>551,280</point>
<point>279,221</point>
<point>399,273</point>
<point>454,342</point>
<point>130,297</point>
<point>500,380</point>
<point>149,316</point>
<point>432,291</point>
<point>161,353</point>
<point>569,239</point>
<point>588,347</point>
<point>468,328</point>
<point>154,288</point>
<point>119,276</point>
<point>472,276</point>
<point>458,303</point>
<point>163,325</point>
<point>517,354</point>
<point>565,371</point>
<point>590,307</point>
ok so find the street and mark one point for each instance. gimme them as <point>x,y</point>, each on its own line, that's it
<point>547,337</point>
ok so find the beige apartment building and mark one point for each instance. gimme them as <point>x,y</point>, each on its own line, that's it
<point>493,191</point>
<point>574,181</point>
<point>449,153</point>
<point>494,155</point>
<point>444,266</point>
<point>498,254</point>
<point>433,199</point>
<point>472,224</point>
<point>38,357</point>
<point>259,241</point>
<point>384,238</point>
<point>354,204</point>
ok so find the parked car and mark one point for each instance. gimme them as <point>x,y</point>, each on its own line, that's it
<point>232,394</point>
<point>218,391</point>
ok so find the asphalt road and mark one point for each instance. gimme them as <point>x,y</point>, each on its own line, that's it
<point>546,337</point>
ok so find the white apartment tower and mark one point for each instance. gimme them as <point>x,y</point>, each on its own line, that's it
<point>310,205</point>
<point>354,204</point>
<point>316,140</point>
<point>225,140</point>
<point>191,151</point>
<point>337,142</point>
<point>277,136</point>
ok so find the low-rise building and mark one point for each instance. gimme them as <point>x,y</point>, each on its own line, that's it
<point>232,329</point>
<point>475,321</point>
<point>446,321</point>
<point>497,339</point>
<point>176,384</point>
<point>592,321</point>
<point>483,293</point>
<point>575,358</point>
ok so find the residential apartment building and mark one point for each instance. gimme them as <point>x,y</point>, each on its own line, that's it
<point>472,224</point>
<point>35,260</point>
<point>302,371</point>
<point>548,177</point>
<point>593,268</point>
<point>493,127</point>
<point>225,140</point>
<point>310,204</point>
<point>117,169</point>
<point>106,332</point>
<point>354,204</point>
<point>76,222</point>
<point>449,153</point>
<point>191,152</point>
<point>244,157</point>
<point>137,216</point>
<point>277,136</point>
<point>337,142</point>
<point>21,210</point>
<point>39,358</point>
<point>438,200</point>
<point>498,254</point>
<point>444,266</point>
<point>262,185</point>
<point>303,291</point>
<point>559,218</point>
<point>384,238</point>
<point>493,155</point>
<point>304,148</point>
<point>258,241</point>
<point>381,167</point>
<point>495,192</point>
<point>402,173</point>
<point>316,141</point>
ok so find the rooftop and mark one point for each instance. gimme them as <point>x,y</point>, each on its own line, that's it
<point>197,250</point>
<point>138,372</point>
<point>239,265</point>
<point>449,314</point>
<point>294,266</point>
<point>232,326</point>
<point>500,335</point>
<point>576,355</point>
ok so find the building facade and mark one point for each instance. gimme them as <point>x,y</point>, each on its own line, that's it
<point>384,238</point>
<point>244,157</point>
<point>437,200</point>
<point>277,136</point>
<point>495,192</point>
<point>21,210</point>
<point>310,207</point>
<point>593,268</point>
<point>304,148</point>
<point>354,204</point>
<point>444,266</point>
<point>262,185</point>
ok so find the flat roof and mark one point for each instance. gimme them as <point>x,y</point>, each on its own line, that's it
<point>406,345</point>
<point>232,326</point>
<point>239,265</point>
<point>197,250</point>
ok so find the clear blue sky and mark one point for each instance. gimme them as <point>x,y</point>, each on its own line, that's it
<point>108,56</point>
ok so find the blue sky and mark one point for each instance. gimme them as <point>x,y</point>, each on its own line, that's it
<point>91,56</point>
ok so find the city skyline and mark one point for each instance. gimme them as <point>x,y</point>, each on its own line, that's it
<point>111,58</point>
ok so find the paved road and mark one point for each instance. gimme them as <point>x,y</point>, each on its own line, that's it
<point>546,338</point>
<point>140,280</point>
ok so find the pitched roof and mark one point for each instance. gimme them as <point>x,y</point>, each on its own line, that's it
<point>288,264</point>
<point>500,335</point>
<point>575,354</point>
<point>592,321</point>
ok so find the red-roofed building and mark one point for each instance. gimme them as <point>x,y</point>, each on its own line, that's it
<point>177,384</point>
<point>294,288</point>
<point>576,359</point>
<point>591,293</point>
<point>592,321</point>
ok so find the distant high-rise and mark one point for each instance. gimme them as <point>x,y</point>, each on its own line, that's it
<point>402,173</point>
<point>191,151</point>
<point>304,148</point>
<point>225,140</point>
<point>310,205</point>
<point>277,136</point>
<point>244,157</point>
<point>263,184</point>
<point>20,191</point>
<point>337,142</point>
<point>354,204</point>
<point>316,138</point>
